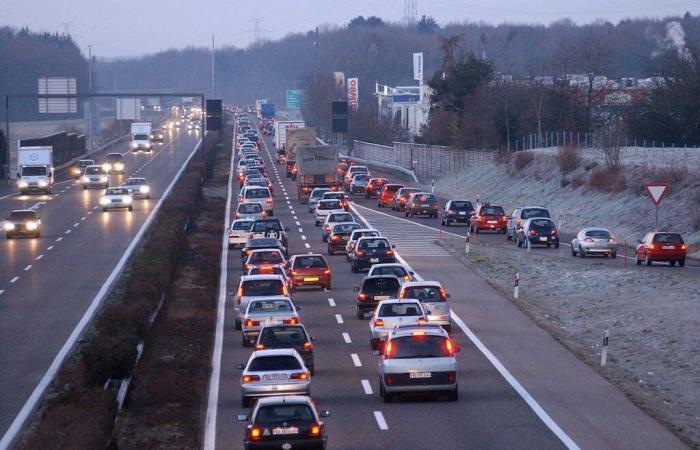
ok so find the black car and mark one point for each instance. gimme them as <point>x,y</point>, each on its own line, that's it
<point>270,228</point>
<point>539,230</point>
<point>261,243</point>
<point>289,336</point>
<point>23,222</point>
<point>456,211</point>
<point>157,136</point>
<point>284,422</point>
<point>371,250</point>
<point>374,289</point>
<point>339,235</point>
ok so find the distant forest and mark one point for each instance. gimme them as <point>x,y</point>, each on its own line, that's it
<point>373,50</point>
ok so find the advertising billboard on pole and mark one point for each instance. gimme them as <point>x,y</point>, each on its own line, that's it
<point>418,67</point>
<point>353,93</point>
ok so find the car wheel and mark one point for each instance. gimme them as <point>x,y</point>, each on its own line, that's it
<point>131,208</point>
<point>519,242</point>
<point>244,341</point>
<point>508,236</point>
<point>453,396</point>
<point>84,187</point>
<point>330,251</point>
<point>637,260</point>
<point>556,244</point>
<point>104,209</point>
<point>647,260</point>
<point>387,397</point>
<point>405,214</point>
<point>681,262</point>
<point>328,286</point>
<point>583,255</point>
<point>358,313</point>
<point>238,324</point>
<point>672,262</point>
<point>549,245</point>
<point>573,251</point>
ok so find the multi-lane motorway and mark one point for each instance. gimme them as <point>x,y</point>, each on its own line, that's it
<point>518,387</point>
<point>49,286</point>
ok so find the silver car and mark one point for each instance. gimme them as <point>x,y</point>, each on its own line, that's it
<point>250,211</point>
<point>333,219</point>
<point>520,215</point>
<point>116,198</point>
<point>273,372</point>
<point>418,358</point>
<point>433,297</point>
<point>315,196</point>
<point>392,314</point>
<point>95,176</point>
<point>324,208</point>
<point>256,286</point>
<point>396,269</point>
<point>594,241</point>
<point>138,187</point>
<point>266,311</point>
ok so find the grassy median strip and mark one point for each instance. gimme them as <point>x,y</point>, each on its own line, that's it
<point>176,264</point>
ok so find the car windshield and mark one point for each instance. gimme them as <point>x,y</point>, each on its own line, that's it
<point>283,337</point>
<point>492,211</point>
<point>462,206</point>
<point>94,170</point>
<point>534,212</point>
<point>345,227</point>
<point>22,215</point>
<point>341,217</point>
<point>249,208</point>
<point>668,238</point>
<point>242,225</point>
<point>309,262</point>
<point>369,244</point>
<point>390,270</point>
<point>269,306</point>
<point>134,182</point>
<point>384,285</point>
<point>333,196</point>
<point>33,171</point>
<point>400,310</point>
<point>423,294</point>
<point>318,193</point>
<point>330,204</point>
<point>259,288</point>
<point>600,234</point>
<point>392,187</point>
<point>257,193</point>
<point>117,191</point>
<point>86,163</point>
<point>424,346</point>
<point>275,414</point>
<point>140,137</point>
<point>271,257</point>
<point>115,158</point>
<point>270,363</point>
<point>541,224</point>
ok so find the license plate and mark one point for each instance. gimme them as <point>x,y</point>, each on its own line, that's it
<point>310,278</point>
<point>275,377</point>
<point>492,221</point>
<point>381,297</point>
<point>421,375</point>
<point>462,213</point>
<point>116,201</point>
<point>425,206</point>
<point>345,238</point>
<point>287,430</point>
<point>668,247</point>
<point>543,238</point>
<point>269,322</point>
<point>374,260</point>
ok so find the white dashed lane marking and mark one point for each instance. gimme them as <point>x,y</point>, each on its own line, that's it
<point>14,279</point>
<point>379,417</point>
<point>28,267</point>
<point>346,338</point>
<point>39,257</point>
<point>339,318</point>
<point>59,239</point>
<point>356,360</point>
<point>367,387</point>
<point>49,248</point>
<point>306,244</point>
<point>331,302</point>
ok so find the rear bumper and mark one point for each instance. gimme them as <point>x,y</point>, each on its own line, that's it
<point>298,280</point>
<point>266,390</point>
<point>365,263</point>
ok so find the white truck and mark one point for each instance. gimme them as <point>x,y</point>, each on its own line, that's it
<point>141,137</point>
<point>35,169</point>
<point>281,133</point>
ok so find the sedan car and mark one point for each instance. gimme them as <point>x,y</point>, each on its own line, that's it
<point>265,311</point>
<point>661,247</point>
<point>254,194</point>
<point>456,211</point>
<point>331,220</point>
<point>309,270</point>
<point>391,314</point>
<point>95,176</point>
<point>239,232</point>
<point>594,241</point>
<point>289,421</point>
<point>288,336</point>
<point>339,236</point>
<point>114,163</point>
<point>254,286</point>
<point>251,211</point>
<point>538,230</point>
<point>79,168</point>
<point>520,215</point>
<point>273,372</point>
<point>396,269</point>
<point>375,186</point>
<point>116,198</point>
<point>138,187</point>
<point>326,208</point>
<point>373,290</point>
<point>23,222</point>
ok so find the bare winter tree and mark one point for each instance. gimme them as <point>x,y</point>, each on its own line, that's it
<point>609,137</point>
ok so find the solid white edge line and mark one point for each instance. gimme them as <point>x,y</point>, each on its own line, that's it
<point>217,352</point>
<point>367,387</point>
<point>515,384</point>
<point>381,422</point>
<point>30,404</point>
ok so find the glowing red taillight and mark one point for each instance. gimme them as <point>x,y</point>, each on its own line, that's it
<point>299,376</point>
<point>308,346</point>
<point>379,323</point>
<point>292,321</point>
<point>315,430</point>
<point>360,253</point>
<point>249,378</point>
<point>251,323</point>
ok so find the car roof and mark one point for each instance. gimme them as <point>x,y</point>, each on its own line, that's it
<point>407,330</point>
<point>343,224</point>
<point>306,255</point>
<point>459,200</point>
<point>282,399</point>
<point>421,283</point>
<point>396,264</point>
<point>393,301</point>
<point>594,229</point>
<point>373,237</point>
<point>261,250</point>
<point>274,352</point>
<point>533,207</point>
<point>539,218</point>
<point>261,277</point>
<point>23,211</point>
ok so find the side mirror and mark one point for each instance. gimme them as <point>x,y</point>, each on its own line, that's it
<point>298,308</point>
<point>447,295</point>
<point>240,366</point>
<point>356,289</point>
<point>393,246</point>
<point>286,228</point>
<point>410,272</point>
<point>325,414</point>
<point>313,338</point>
<point>242,417</point>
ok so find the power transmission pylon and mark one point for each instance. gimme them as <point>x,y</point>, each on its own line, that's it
<point>410,11</point>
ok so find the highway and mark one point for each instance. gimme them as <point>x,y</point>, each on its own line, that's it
<point>48,284</point>
<point>518,387</point>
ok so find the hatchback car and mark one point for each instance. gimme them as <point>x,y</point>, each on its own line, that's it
<point>433,297</point>
<point>373,290</point>
<point>116,198</point>
<point>23,222</point>
<point>315,196</point>
<point>256,243</point>
<point>339,236</point>
<point>358,184</point>
<point>538,230</point>
<point>289,421</point>
<point>251,211</point>
<point>273,372</point>
<point>270,228</point>
<point>337,196</point>
<point>266,256</point>
<point>239,232</point>
<point>371,250</point>
<point>266,311</point>
<point>594,241</point>
<point>375,186</point>
<point>309,270</point>
<point>355,236</point>
<point>95,176</point>
<point>456,211</point>
<point>79,168</point>
<point>488,217</point>
<point>418,359</point>
<point>288,336</point>
<point>520,215</point>
<point>396,269</point>
<point>387,194</point>
<point>391,314</point>
<point>352,171</point>
<point>254,194</point>
<point>138,187</point>
<point>401,197</point>
<point>253,286</point>
<point>324,208</point>
<point>661,247</point>
<point>331,220</point>
<point>114,163</point>
<point>421,203</point>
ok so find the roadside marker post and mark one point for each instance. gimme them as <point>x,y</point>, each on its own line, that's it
<point>466,242</point>
<point>561,220</point>
<point>516,279</point>
<point>432,186</point>
<point>604,352</point>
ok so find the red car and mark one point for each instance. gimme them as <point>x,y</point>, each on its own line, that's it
<point>489,217</point>
<point>661,247</point>
<point>387,194</point>
<point>374,187</point>
<point>309,270</point>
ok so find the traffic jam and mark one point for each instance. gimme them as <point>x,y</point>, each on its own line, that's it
<point>409,331</point>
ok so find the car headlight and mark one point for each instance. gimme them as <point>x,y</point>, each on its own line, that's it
<point>119,166</point>
<point>127,200</point>
<point>9,226</point>
<point>22,184</point>
<point>144,189</point>
<point>76,171</point>
<point>133,144</point>
<point>148,145</point>
<point>103,200</point>
<point>85,178</point>
<point>31,226</point>
<point>42,183</point>
<point>104,178</point>
<point>107,167</point>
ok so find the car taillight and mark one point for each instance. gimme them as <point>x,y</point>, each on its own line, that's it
<point>388,350</point>
<point>239,294</point>
<point>588,239</point>
<point>651,246</point>
<point>238,215</point>
<point>449,347</point>
<point>263,214</point>
<point>254,433</point>
<point>360,253</point>
<point>533,232</point>
<point>292,321</point>
<point>305,189</point>
<point>451,376</point>
<point>443,294</point>
<point>477,217</point>
<point>504,218</point>
<point>251,323</point>
<point>361,296</point>
<point>334,238</point>
<point>295,273</point>
<point>328,228</point>
<point>683,247</point>
<point>308,346</point>
<point>389,252</point>
<point>450,211</point>
<point>284,291</point>
<point>315,430</point>
<point>327,272</point>
<point>249,378</point>
<point>379,323</point>
<point>413,205</point>
<point>260,347</point>
<point>407,278</point>
<point>553,232</point>
<point>422,320</point>
<point>299,376</point>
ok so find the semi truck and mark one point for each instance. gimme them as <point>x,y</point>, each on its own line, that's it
<point>281,127</point>
<point>141,137</point>
<point>316,167</point>
<point>295,137</point>
<point>35,169</point>
<point>268,110</point>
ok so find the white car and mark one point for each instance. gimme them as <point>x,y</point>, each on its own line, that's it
<point>137,187</point>
<point>256,194</point>
<point>392,314</point>
<point>95,176</point>
<point>239,233</point>
<point>252,211</point>
<point>266,311</point>
<point>326,207</point>
<point>433,297</point>
<point>116,198</point>
<point>355,235</point>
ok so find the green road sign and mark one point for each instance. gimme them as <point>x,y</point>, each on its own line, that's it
<point>294,98</point>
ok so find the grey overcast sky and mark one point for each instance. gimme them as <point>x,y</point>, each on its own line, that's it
<point>118,28</point>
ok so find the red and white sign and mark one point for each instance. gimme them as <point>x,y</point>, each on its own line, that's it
<point>656,191</point>
<point>353,93</point>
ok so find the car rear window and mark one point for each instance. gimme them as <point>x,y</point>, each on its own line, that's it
<point>601,234</point>
<point>249,208</point>
<point>365,234</point>
<point>275,414</point>
<point>345,227</point>
<point>318,193</point>
<point>269,306</point>
<point>462,206</point>
<point>263,242</point>
<point>400,310</point>
<point>267,270</point>
<point>392,270</point>
<point>94,171</point>
<point>425,346</point>
<point>259,288</point>
<point>541,224</point>
<point>280,337</point>
<point>340,217</point>
<point>670,238</point>
<point>257,193</point>
<point>363,178</point>
<point>427,294</point>
<point>268,363</point>
<point>534,212</point>
<point>425,198</point>
<point>332,204</point>
<point>271,257</point>
<point>375,244</point>
<point>309,262</point>
<point>264,225</point>
<point>117,191</point>
<point>407,192</point>
<point>332,196</point>
<point>492,211</point>
<point>375,286</point>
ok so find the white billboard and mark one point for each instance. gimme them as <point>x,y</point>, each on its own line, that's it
<point>353,93</point>
<point>57,86</point>
<point>418,67</point>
